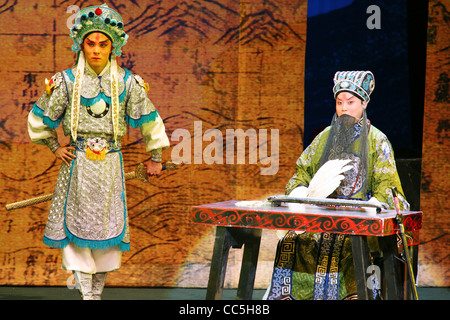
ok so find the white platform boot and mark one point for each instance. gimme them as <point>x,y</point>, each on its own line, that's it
<point>84,284</point>
<point>98,283</point>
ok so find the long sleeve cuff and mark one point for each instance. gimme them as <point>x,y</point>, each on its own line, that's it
<point>154,134</point>
<point>41,133</point>
<point>157,155</point>
<point>52,143</point>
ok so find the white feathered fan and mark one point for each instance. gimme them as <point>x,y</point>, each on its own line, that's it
<point>325,181</point>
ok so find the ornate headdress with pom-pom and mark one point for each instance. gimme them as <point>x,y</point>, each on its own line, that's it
<point>99,19</point>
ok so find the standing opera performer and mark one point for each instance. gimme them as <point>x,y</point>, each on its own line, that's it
<point>320,265</point>
<point>95,101</point>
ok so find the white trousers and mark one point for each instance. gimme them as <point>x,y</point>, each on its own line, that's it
<point>91,260</point>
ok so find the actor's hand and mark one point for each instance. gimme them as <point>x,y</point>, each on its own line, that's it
<point>65,154</point>
<point>153,168</point>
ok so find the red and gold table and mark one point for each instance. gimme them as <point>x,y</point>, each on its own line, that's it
<point>243,225</point>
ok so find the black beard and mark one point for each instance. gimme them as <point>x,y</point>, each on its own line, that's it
<point>347,121</point>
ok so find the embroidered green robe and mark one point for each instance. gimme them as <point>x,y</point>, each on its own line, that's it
<point>298,256</point>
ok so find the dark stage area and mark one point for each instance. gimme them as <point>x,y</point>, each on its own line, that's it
<point>62,293</point>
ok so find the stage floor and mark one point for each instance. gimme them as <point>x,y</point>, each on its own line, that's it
<point>113,293</point>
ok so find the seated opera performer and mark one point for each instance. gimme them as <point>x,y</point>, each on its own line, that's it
<point>320,265</point>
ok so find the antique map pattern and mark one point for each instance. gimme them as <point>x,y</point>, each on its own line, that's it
<point>434,258</point>
<point>225,64</point>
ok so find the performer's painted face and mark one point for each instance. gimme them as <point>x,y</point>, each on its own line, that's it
<point>347,103</point>
<point>97,48</point>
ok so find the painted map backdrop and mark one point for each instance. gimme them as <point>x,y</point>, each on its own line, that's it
<point>435,238</point>
<point>226,64</point>
<point>221,64</point>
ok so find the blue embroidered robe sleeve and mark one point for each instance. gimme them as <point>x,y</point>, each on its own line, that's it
<point>141,113</point>
<point>47,113</point>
